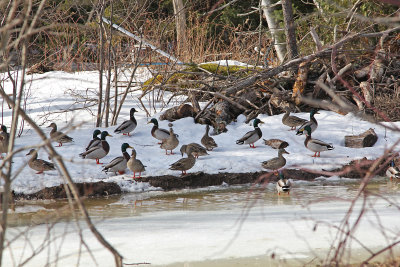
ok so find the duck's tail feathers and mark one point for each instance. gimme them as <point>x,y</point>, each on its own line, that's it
<point>239,142</point>
<point>300,131</point>
<point>82,155</point>
<point>330,147</point>
<point>285,188</point>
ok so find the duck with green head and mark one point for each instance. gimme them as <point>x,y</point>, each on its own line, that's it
<point>283,184</point>
<point>315,145</point>
<point>393,171</point>
<point>118,164</point>
<point>158,133</point>
<point>4,140</point>
<point>312,123</point>
<point>100,151</point>
<point>129,125</point>
<point>95,141</point>
<point>252,136</point>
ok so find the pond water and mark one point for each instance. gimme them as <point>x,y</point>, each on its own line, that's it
<point>215,226</point>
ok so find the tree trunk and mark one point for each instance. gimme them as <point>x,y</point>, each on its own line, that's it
<point>290,29</point>
<point>278,37</point>
<point>180,21</point>
<point>98,120</point>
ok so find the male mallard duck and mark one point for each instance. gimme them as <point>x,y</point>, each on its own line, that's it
<point>207,140</point>
<point>393,171</point>
<point>276,163</point>
<point>170,143</point>
<point>127,126</point>
<point>98,152</point>
<point>158,133</point>
<point>292,121</point>
<point>95,141</point>
<point>283,184</point>
<point>184,164</point>
<point>119,163</point>
<point>276,143</point>
<point>196,149</point>
<point>135,165</point>
<point>59,137</point>
<point>315,145</point>
<point>39,165</point>
<point>252,136</point>
<point>4,140</point>
<point>312,123</point>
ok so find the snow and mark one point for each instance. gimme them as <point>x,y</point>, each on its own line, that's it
<point>49,94</point>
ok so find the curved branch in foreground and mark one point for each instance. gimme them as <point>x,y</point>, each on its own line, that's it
<point>65,173</point>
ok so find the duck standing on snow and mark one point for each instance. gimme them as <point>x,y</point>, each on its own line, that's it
<point>158,133</point>
<point>184,164</point>
<point>393,171</point>
<point>127,126</point>
<point>283,184</point>
<point>57,136</point>
<point>292,121</point>
<point>98,152</point>
<point>119,163</point>
<point>170,143</point>
<point>315,145</point>
<point>207,140</point>
<point>95,141</point>
<point>196,149</point>
<point>276,143</point>
<point>252,136</point>
<point>39,165</point>
<point>135,165</point>
<point>276,163</point>
<point>312,123</point>
<point>4,140</point>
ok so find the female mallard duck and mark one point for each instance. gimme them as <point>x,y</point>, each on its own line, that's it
<point>276,143</point>
<point>312,123</point>
<point>252,136</point>
<point>276,163</point>
<point>315,145</point>
<point>207,140</point>
<point>283,184</point>
<point>292,121</point>
<point>135,165</point>
<point>158,133</point>
<point>119,163</point>
<point>127,126</point>
<point>196,149</point>
<point>4,140</point>
<point>393,171</point>
<point>170,143</point>
<point>184,164</point>
<point>59,137</point>
<point>95,141</point>
<point>39,165</point>
<point>98,152</point>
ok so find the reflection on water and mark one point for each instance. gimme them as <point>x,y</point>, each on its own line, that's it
<point>205,199</point>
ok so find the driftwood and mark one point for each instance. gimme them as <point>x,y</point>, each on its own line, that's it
<point>179,112</point>
<point>366,139</point>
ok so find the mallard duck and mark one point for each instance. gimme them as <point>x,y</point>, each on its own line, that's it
<point>39,165</point>
<point>59,137</point>
<point>196,149</point>
<point>312,123</point>
<point>292,121</point>
<point>135,165</point>
<point>252,136</point>
<point>119,163</point>
<point>393,171</point>
<point>4,140</point>
<point>315,145</point>
<point>207,140</point>
<point>98,152</point>
<point>170,143</point>
<point>184,164</point>
<point>95,141</point>
<point>276,143</point>
<point>127,126</point>
<point>276,163</point>
<point>283,184</point>
<point>158,133</point>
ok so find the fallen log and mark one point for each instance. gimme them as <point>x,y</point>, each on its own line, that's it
<point>366,139</point>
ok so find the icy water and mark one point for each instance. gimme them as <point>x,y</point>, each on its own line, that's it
<point>217,226</point>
